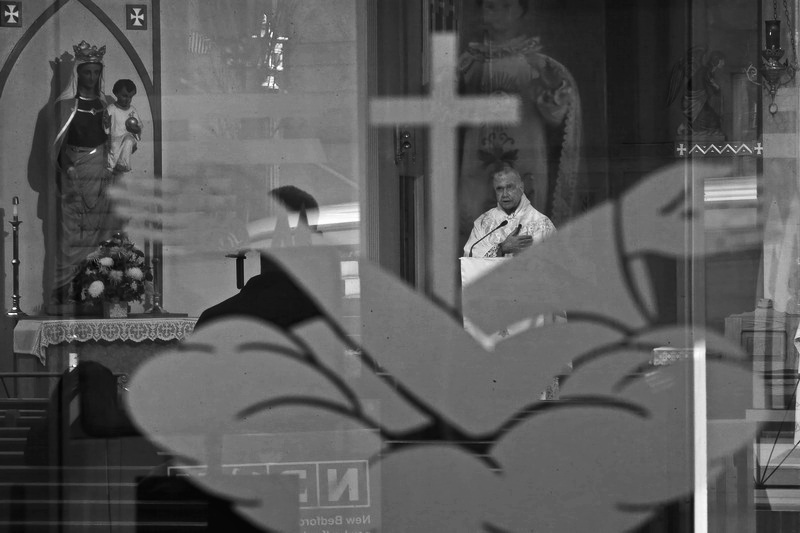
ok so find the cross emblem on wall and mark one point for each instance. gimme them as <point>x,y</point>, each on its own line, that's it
<point>443,112</point>
<point>11,14</point>
<point>136,16</point>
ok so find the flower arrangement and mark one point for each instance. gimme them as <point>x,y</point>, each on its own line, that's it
<point>116,271</point>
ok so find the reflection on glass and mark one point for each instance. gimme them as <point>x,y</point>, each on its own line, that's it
<point>296,383</point>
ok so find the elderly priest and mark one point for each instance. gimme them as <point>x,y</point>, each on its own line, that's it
<point>512,226</point>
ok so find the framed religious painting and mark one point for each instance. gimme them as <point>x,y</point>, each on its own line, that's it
<point>519,49</point>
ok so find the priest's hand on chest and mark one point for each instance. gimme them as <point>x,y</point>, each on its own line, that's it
<point>515,243</point>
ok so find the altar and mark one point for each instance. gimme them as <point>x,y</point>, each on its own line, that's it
<point>44,344</point>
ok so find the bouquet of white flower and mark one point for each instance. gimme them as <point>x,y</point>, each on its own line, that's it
<point>116,271</point>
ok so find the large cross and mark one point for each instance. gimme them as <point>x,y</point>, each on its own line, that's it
<point>443,112</point>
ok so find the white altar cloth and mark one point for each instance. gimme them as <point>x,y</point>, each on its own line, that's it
<point>33,336</point>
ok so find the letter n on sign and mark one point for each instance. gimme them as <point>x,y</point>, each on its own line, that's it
<point>10,14</point>
<point>136,16</point>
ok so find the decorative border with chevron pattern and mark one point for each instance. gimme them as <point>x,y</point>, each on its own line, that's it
<point>722,149</point>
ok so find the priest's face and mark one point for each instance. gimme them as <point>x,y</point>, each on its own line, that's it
<point>508,189</point>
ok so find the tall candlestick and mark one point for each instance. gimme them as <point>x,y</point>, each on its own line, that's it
<point>15,311</point>
<point>773,29</point>
<point>157,309</point>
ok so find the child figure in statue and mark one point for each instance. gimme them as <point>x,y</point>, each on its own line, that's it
<point>123,126</point>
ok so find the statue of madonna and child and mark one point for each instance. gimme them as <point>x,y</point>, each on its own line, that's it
<point>544,148</point>
<point>86,157</point>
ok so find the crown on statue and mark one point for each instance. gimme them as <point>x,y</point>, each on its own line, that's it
<point>86,53</point>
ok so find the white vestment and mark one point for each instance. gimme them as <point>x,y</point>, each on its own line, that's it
<point>532,221</point>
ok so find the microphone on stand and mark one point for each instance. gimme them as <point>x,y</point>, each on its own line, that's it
<point>503,223</point>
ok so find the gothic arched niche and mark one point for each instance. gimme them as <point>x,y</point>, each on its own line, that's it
<point>37,69</point>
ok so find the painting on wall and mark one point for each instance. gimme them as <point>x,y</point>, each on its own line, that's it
<point>518,48</point>
<point>713,106</point>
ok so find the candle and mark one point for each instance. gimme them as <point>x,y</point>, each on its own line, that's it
<point>773,34</point>
<point>15,203</point>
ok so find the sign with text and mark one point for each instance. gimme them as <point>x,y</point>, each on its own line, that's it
<point>333,496</point>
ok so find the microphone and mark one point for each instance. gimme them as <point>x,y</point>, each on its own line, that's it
<point>503,223</point>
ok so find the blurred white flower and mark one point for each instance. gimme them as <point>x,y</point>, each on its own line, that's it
<point>135,273</point>
<point>107,261</point>
<point>115,275</point>
<point>96,289</point>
